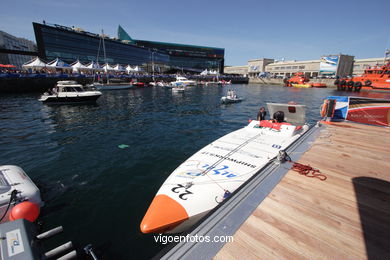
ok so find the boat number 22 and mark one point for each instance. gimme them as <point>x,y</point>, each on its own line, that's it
<point>181,190</point>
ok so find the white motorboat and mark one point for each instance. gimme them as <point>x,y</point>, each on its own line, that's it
<point>183,81</point>
<point>69,92</point>
<point>15,184</point>
<point>205,179</point>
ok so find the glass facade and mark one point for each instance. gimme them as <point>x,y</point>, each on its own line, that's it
<point>10,43</point>
<point>189,56</point>
<point>70,44</point>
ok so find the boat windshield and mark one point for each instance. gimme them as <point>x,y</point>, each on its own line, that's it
<point>73,89</point>
<point>4,186</point>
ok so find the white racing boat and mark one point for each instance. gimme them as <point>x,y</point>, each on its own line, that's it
<point>15,184</point>
<point>203,181</point>
<point>69,92</point>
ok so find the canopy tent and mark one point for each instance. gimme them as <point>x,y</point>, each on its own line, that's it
<point>137,68</point>
<point>119,67</point>
<point>58,64</point>
<point>107,67</point>
<point>35,63</point>
<point>213,72</point>
<point>93,66</point>
<point>204,73</point>
<point>77,66</point>
<point>129,69</point>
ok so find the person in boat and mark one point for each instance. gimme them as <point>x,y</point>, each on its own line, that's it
<point>230,93</point>
<point>278,117</point>
<point>261,114</point>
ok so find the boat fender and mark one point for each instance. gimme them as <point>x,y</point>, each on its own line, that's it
<point>26,210</point>
<point>367,82</point>
<point>358,85</point>
<point>337,81</point>
<point>350,83</point>
<point>328,108</point>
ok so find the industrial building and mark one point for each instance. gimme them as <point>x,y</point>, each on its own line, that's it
<point>328,65</point>
<point>70,44</point>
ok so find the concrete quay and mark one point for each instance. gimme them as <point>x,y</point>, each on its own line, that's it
<point>270,81</point>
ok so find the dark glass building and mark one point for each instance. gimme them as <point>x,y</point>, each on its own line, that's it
<point>70,44</point>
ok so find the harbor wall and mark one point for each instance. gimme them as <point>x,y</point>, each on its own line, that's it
<point>269,81</point>
<point>42,84</point>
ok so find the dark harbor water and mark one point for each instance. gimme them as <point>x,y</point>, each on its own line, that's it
<point>98,191</point>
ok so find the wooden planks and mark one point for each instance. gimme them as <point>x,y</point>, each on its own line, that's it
<point>345,217</point>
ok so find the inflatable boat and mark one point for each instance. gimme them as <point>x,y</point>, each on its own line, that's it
<point>212,174</point>
<point>15,188</point>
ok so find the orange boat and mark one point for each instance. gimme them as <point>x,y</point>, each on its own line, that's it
<point>374,78</point>
<point>299,80</point>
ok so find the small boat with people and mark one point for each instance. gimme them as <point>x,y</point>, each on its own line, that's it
<point>69,91</point>
<point>213,173</point>
<point>231,97</point>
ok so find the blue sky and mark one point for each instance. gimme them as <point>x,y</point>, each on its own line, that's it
<point>247,29</point>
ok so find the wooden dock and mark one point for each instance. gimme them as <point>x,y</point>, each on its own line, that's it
<point>347,216</point>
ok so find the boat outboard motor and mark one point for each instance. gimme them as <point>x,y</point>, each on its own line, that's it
<point>279,116</point>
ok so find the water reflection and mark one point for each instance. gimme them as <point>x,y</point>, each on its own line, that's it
<point>73,151</point>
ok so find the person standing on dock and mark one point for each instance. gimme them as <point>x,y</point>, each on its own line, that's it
<point>261,114</point>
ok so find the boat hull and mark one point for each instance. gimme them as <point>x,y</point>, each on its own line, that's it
<point>301,85</point>
<point>227,100</point>
<point>113,87</point>
<point>70,99</point>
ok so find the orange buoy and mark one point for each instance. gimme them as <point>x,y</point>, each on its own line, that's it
<point>26,210</point>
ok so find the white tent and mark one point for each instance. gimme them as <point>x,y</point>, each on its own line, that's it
<point>119,67</point>
<point>93,66</point>
<point>77,66</point>
<point>205,72</point>
<point>107,67</point>
<point>35,63</point>
<point>137,68</point>
<point>129,69</point>
<point>58,64</point>
<point>213,72</point>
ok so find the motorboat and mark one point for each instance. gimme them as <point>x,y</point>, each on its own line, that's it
<point>183,81</point>
<point>374,78</point>
<point>70,92</point>
<point>299,80</point>
<point>230,99</point>
<point>16,187</point>
<point>138,84</point>
<point>213,173</point>
<point>111,86</point>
